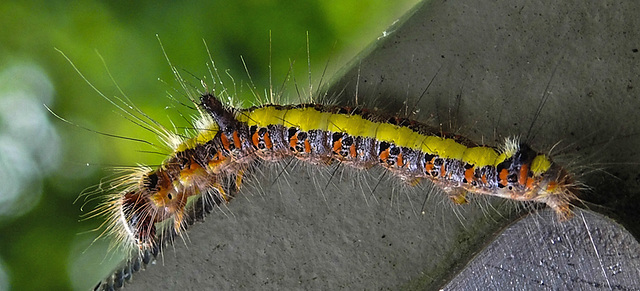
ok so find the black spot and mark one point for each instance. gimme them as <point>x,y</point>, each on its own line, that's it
<point>428,158</point>
<point>336,136</point>
<point>292,131</point>
<point>384,146</point>
<point>438,162</point>
<point>151,181</point>
<point>347,140</point>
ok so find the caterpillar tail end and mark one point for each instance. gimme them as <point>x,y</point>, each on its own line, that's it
<point>560,195</point>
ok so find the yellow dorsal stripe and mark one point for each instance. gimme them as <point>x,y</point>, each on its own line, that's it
<point>480,156</point>
<point>264,116</point>
<point>306,118</point>
<point>309,118</point>
<point>202,137</point>
<point>444,147</point>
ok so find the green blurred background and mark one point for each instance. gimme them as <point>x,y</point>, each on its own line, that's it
<point>45,163</point>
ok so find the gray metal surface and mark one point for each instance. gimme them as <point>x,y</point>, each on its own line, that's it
<point>588,252</point>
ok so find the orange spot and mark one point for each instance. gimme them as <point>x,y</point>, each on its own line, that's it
<point>384,155</point>
<point>337,146</point>
<point>468,174</point>
<point>443,171</point>
<point>352,151</point>
<point>225,141</point>
<point>236,139</point>
<point>267,140</point>
<point>307,146</point>
<point>503,177</point>
<point>484,179</point>
<point>293,141</point>
<point>399,160</point>
<point>524,173</point>
<point>529,184</point>
<point>428,167</point>
<point>255,139</point>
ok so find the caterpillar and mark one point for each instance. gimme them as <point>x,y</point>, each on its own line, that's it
<point>229,142</point>
<point>155,204</point>
<point>150,206</point>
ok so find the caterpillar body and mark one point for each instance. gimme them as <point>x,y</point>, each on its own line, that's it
<point>230,141</point>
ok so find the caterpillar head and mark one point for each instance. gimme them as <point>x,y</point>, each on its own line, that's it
<point>155,200</point>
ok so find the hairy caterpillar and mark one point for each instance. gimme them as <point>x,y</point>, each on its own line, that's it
<point>229,182</point>
<point>230,141</point>
<point>318,134</point>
